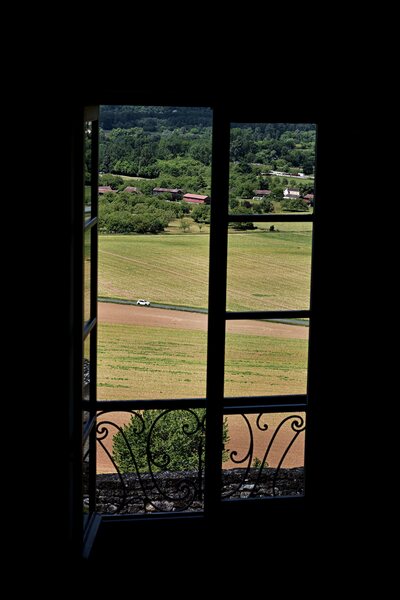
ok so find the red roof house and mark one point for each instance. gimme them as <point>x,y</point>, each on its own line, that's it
<point>105,189</point>
<point>196,199</point>
<point>309,198</point>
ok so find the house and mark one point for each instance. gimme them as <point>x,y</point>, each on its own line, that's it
<point>196,199</point>
<point>132,190</point>
<point>105,189</point>
<point>261,194</point>
<point>309,198</point>
<point>291,193</point>
<point>175,192</point>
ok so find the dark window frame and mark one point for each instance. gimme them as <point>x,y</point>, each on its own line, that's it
<point>217,405</point>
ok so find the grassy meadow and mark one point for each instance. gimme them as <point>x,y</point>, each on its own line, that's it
<point>137,362</point>
<point>266,270</point>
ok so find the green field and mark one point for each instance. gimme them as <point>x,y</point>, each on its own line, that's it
<point>265,270</point>
<point>154,362</point>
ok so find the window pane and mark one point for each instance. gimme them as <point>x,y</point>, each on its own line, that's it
<point>150,461</point>
<point>154,251</point>
<point>87,275</point>
<point>264,455</point>
<point>266,357</point>
<point>272,168</point>
<point>148,353</point>
<point>88,170</point>
<point>269,268</point>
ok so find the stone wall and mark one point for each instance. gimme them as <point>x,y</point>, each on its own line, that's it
<point>173,491</point>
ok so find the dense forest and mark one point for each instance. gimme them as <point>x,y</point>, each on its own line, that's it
<point>134,139</point>
<point>170,147</point>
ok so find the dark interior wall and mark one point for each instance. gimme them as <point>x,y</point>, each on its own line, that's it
<point>319,517</point>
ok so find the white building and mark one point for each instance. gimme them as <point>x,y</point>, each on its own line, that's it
<point>291,193</point>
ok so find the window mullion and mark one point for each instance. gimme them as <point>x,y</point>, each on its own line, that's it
<point>216,310</point>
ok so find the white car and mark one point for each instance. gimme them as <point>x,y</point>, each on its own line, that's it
<point>143,303</point>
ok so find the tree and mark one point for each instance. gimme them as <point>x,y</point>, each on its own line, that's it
<point>306,188</point>
<point>184,224</point>
<point>295,205</point>
<point>308,165</point>
<point>112,180</point>
<point>201,212</point>
<point>163,440</point>
<point>266,205</point>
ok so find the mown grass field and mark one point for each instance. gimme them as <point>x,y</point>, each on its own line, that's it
<point>154,362</point>
<point>266,270</point>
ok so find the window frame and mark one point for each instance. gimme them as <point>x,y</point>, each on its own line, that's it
<point>216,404</point>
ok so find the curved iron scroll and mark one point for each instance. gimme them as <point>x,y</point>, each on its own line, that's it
<point>261,480</point>
<point>150,480</point>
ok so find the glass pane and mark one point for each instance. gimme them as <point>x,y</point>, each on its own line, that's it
<point>150,461</point>
<point>272,168</point>
<point>264,455</point>
<point>150,353</point>
<point>269,268</point>
<point>266,357</point>
<point>88,170</point>
<point>153,279</point>
<point>87,274</point>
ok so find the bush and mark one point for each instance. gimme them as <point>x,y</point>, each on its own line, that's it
<point>201,213</point>
<point>295,205</point>
<point>112,180</point>
<point>163,440</point>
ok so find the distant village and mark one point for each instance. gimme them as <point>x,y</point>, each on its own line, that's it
<point>177,194</point>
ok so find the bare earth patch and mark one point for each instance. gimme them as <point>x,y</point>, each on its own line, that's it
<point>159,317</point>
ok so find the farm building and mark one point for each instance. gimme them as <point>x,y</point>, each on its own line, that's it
<point>175,192</point>
<point>309,198</point>
<point>132,190</point>
<point>105,189</point>
<point>261,193</point>
<point>291,193</point>
<point>196,199</point>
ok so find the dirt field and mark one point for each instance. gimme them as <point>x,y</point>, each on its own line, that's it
<point>238,430</point>
<point>159,317</point>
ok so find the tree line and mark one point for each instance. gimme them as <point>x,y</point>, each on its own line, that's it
<point>131,213</point>
<point>134,139</point>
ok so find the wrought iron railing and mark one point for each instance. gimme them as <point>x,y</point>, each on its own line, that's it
<point>257,479</point>
<point>151,474</point>
<point>145,455</point>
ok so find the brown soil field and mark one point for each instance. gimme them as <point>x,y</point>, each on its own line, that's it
<point>159,317</point>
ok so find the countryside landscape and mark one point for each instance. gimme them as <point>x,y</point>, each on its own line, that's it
<point>154,223</point>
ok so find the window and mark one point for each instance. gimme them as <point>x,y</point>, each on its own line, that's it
<point>258,362</point>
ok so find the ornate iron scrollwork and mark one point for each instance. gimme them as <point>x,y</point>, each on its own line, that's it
<point>152,482</point>
<point>260,480</point>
